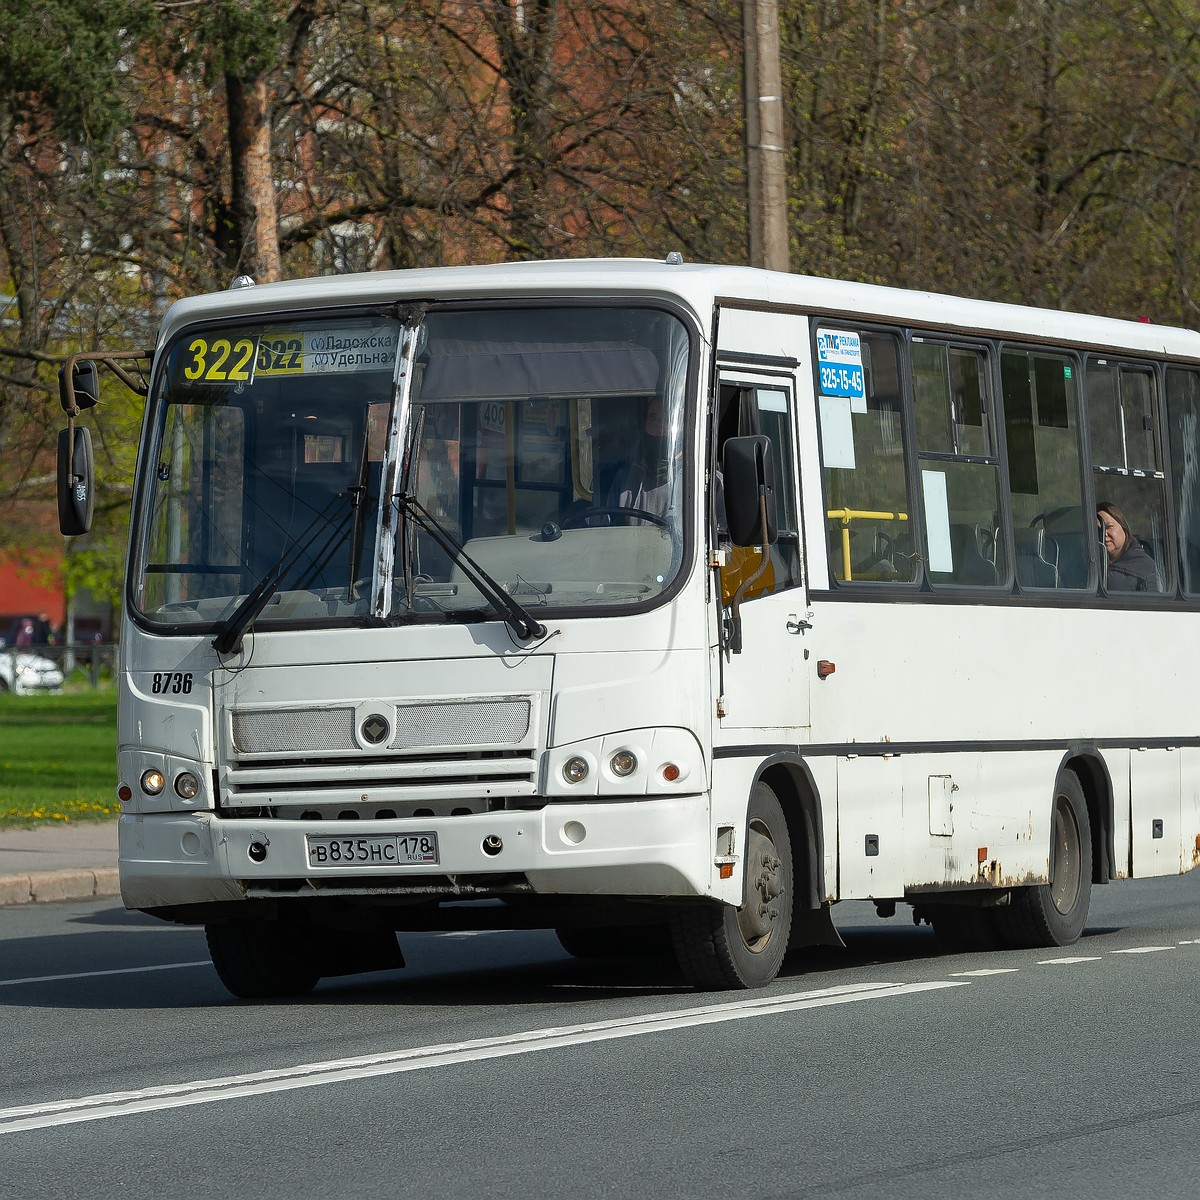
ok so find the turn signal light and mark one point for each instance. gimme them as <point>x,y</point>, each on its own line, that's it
<point>825,668</point>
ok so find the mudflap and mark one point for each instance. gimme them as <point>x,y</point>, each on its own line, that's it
<point>814,927</point>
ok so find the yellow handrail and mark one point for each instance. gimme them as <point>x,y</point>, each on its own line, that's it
<point>846,515</point>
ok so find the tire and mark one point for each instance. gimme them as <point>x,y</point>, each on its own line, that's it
<point>1053,914</point>
<point>720,947</point>
<point>262,960</point>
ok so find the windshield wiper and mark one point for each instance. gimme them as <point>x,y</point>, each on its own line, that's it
<point>358,499</point>
<point>229,636</point>
<point>510,611</point>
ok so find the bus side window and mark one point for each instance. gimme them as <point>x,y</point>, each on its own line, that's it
<point>960,473</point>
<point>1051,529</point>
<point>1126,463</point>
<point>1183,423</point>
<point>867,505</point>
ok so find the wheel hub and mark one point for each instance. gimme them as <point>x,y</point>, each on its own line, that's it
<point>764,886</point>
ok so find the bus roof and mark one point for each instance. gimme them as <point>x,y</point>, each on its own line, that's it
<point>697,285</point>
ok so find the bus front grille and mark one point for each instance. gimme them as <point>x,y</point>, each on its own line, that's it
<point>380,757</point>
<point>396,783</point>
<point>404,726</point>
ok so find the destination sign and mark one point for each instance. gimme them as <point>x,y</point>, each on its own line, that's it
<point>241,358</point>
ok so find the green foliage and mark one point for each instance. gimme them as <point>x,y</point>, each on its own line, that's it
<point>58,758</point>
<point>236,37</point>
<point>60,57</point>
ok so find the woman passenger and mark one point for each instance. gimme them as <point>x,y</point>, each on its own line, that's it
<point>1130,568</point>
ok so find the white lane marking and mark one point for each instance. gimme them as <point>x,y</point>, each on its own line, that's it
<point>986,971</point>
<point>97,974</point>
<point>207,1091</point>
<point>1064,962</point>
<point>1143,950</point>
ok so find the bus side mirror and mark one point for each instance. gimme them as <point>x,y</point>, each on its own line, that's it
<point>75,480</point>
<point>84,390</point>
<point>748,467</point>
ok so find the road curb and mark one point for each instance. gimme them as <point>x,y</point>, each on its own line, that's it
<point>77,884</point>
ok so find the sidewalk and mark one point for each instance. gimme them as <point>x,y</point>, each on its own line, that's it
<point>69,861</point>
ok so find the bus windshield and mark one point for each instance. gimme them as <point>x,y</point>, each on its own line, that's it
<point>547,443</point>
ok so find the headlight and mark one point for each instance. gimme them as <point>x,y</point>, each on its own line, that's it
<point>186,785</point>
<point>153,782</point>
<point>575,770</point>
<point>623,763</point>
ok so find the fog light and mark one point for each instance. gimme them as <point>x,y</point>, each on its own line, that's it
<point>153,782</point>
<point>623,763</point>
<point>186,785</point>
<point>575,770</point>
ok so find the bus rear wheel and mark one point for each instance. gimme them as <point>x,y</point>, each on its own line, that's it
<point>262,959</point>
<point>1053,913</point>
<point>720,947</point>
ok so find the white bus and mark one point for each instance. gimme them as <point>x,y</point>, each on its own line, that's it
<point>663,605</point>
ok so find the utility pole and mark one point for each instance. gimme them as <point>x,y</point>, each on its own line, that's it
<point>766,170</point>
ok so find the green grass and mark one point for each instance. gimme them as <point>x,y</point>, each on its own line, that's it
<point>58,758</point>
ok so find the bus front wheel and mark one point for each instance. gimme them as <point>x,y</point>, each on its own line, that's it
<point>721,947</point>
<point>262,960</point>
<point>1053,913</point>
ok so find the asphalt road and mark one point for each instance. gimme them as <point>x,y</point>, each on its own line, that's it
<point>494,1065</point>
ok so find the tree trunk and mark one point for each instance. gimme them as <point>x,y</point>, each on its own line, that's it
<point>253,200</point>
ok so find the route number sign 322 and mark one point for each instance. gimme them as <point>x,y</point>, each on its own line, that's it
<point>220,360</point>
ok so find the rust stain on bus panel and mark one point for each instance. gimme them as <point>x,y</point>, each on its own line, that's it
<point>991,875</point>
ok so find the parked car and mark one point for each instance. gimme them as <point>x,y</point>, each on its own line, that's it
<point>23,673</point>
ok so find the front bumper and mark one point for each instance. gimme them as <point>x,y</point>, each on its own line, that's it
<point>659,847</point>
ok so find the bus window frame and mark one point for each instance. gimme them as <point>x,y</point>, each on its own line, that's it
<point>915,518</point>
<point>954,340</point>
<point>1169,569</point>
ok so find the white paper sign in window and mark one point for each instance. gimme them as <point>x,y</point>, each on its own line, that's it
<point>837,432</point>
<point>937,521</point>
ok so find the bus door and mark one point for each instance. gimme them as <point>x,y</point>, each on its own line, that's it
<point>765,685</point>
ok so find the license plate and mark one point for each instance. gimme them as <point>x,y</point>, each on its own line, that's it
<point>373,850</point>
